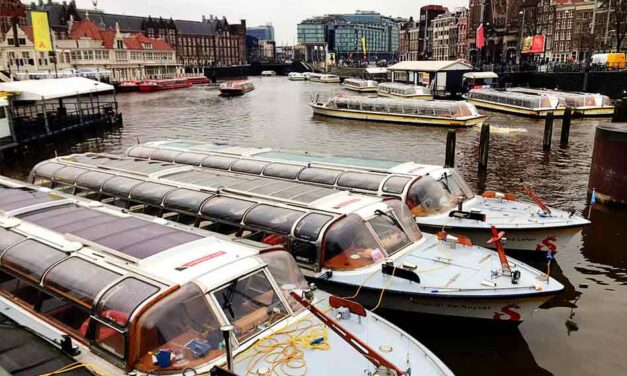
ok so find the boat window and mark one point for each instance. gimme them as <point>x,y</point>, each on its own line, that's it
<point>68,174</point>
<point>190,158</point>
<point>402,213</point>
<point>164,155</point>
<point>8,238</point>
<point>287,275</point>
<point>120,186</point>
<point>93,180</point>
<point>427,196</point>
<point>72,316</point>
<point>110,339</point>
<point>370,182</point>
<point>186,200</point>
<point>310,226</point>
<point>395,184</point>
<point>31,258</point>
<point>226,208</point>
<point>349,244</point>
<point>183,323</point>
<point>272,218</point>
<point>140,152</point>
<point>152,193</point>
<point>280,170</point>
<point>23,291</point>
<point>79,279</point>
<point>248,166</point>
<point>455,185</point>
<point>305,252</point>
<point>319,175</point>
<point>47,169</point>
<point>15,198</point>
<point>222,163</point>
<point>120,301</point>
<point>250,304</point>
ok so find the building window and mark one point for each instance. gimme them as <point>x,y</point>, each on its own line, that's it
<point>120,45</point>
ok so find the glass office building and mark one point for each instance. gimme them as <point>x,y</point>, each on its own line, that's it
<point>265,32</point>
<point>343,34</point>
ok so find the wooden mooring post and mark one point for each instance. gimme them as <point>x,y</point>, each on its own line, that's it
<point>484,146</point>
<point>565,134</point>
<point>548,131</point>
<point>451,138</point>
<point>620,111</point>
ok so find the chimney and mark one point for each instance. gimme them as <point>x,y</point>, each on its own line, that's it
<point>204,19</point>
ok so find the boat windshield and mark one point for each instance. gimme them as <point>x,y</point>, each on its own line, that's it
<point>428,196</point>
<point>390,231</point>
<point>251,305</point>
<point>456,185</point>
<point>349,244</point>
<point>286,274</point>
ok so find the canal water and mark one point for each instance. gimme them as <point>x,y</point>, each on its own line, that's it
<point>582,331</point>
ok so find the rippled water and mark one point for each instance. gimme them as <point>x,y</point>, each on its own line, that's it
<point>582,331</point>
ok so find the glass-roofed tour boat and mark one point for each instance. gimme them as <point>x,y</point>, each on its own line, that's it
<point>132,294</point>
<point>324,78</point>
<point>583,104</point>
<point>438,197</point>
<point>414,112</point>
<point>399,90</point>
<point>354,245</point>
<point>359,85</point>
<point>513,102</point>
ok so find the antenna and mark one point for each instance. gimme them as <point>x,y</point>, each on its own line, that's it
<point>95,4</point>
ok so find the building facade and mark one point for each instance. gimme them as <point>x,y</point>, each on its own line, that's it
<point>267,50</point>
<point>446,39</point>
<point>345,35</point>
<point>264,32</point>
<point>11,11</point>
<point>427,14</point>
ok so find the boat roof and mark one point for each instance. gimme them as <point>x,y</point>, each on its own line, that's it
<point>37,90</point>
<point>372,70</point>
<point>511,94</point>
<point>481,75</point>
<point>125,175</point>
<point>63,226</point>
<point>430,66</point>
<point>554,92</point>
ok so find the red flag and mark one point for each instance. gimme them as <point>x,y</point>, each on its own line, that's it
<point>480,37</point>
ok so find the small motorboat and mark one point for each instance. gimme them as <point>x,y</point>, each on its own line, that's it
<point>583,104</point>
<point>348,244</point>
<point>307,75</point>
<point>398,90</point>
<point>165,84</point>
<point>415,112</point>
<point>296,76</point>
<point>359,85</point>
<point>236,88</point>
<point>512,102</point>
<point>198,80</point>
<point>133,294</point>
<point>437,196</point>
<point>324,78</point>
<point>268,73</point>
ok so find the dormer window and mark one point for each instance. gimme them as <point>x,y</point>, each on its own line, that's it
<point>120,44</point>
<point>147,46</point>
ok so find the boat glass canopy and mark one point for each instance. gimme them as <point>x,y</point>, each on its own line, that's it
<point>436,108</point>
<point>530,101</point>
<point>402,89</point>
<point>428,196</point>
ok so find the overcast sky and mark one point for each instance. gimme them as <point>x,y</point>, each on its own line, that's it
<point>284,14</point>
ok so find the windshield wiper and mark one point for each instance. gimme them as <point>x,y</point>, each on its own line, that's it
<point>391,217</point>
<point>228,296</point>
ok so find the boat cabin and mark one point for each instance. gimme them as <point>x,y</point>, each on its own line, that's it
<point>480,80</point>
<point>444,109</point>
<point>396,89</point>
<point>126,287</point>
<point>443,77</point>
<point>517,102</point>
<point>321,227</point>
<point>324,78</point>
<point>580,102</point>
<point>357,84</point>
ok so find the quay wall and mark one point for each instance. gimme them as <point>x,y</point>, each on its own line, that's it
<point>253,69</point>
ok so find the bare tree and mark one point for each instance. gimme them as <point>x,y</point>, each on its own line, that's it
<point>619,8</point>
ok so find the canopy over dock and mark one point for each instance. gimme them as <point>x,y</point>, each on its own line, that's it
<point>444,77</point>
<point>54,88</point>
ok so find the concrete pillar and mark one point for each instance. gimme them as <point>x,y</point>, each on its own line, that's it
<point>608,173</point>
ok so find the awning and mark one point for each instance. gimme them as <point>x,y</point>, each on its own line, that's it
<point>430,66</point>
<point>475,75</point>
<point>36,90</point>
<point>376,70</point>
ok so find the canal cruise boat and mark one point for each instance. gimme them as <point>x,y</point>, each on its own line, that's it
<point>127,86</point>
<point>516,103</point>
<point>235,88</point>
<point>132,294</point>
<point>582,104</point>
<point>164,84</point>
<point>398,90</point>
<point>347,244</point>
<point>414,112</point>
<point>198,80</point>
<point>359,85</point>
<point>324,78</point>
<point>438,197</point>
<point>268,73</point>
<point>296,76</point>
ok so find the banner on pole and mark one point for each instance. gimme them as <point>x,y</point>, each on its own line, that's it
<point>41,31</point>
<point>480,37</point>
<point>533,45</point>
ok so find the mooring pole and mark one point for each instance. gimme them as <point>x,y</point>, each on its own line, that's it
<point>565,127</point>
<point>451,138</point>
<point>620,111</point>
<point>548,131</point>
<point>484,146</point>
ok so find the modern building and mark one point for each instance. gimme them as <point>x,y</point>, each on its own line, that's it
<point>345,35</point>
<point>427,14</point>
<point>264,32</point>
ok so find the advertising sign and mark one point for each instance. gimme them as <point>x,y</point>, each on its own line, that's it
<point>41,31</point>
<point>533,45</point>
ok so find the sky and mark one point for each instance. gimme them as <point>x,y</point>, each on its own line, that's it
<point>283,14</point>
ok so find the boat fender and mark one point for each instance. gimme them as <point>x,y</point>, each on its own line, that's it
<point>500,195</point>
<point>410,275</point>
<point>460,239</point>
<point>515,277</point>
<point>467,215</point>
<point>488,283</point>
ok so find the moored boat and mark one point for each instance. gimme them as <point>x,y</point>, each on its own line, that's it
<point>307,75</point>
<point>348,243</point>
<point>164,84</point>
<point>296,76</point>
<point>395,89</point>
<point>131,294</point>
<point>268,73</point>
<point>415,112</point>
<point>362,86</point>
<point>235,88</point>
<point>583,104</point>
<point>437,196</point>
<point>128,86</point>
<point>517,103</point>
<point>198,80</point>
<point>324,78</point>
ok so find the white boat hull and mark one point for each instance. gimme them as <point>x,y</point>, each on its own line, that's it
<point>540,113</point>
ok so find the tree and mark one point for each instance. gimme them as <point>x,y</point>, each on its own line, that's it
<point>619,9</point>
